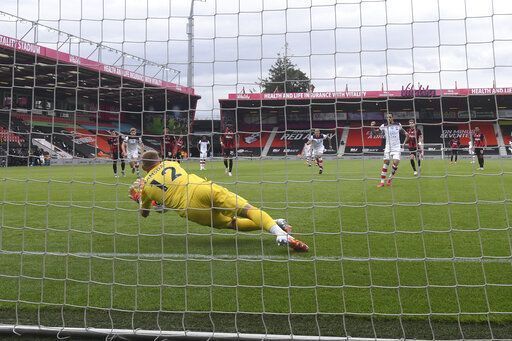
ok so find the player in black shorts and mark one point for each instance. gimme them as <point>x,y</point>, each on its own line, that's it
<point>454,148</point>
<point>228,145</point>
<point>178,148</point>
<point>115,140</point>
<point>479,142</point>
<point>414,141</point>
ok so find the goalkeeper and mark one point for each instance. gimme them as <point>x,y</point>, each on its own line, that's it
<point>168,186</point>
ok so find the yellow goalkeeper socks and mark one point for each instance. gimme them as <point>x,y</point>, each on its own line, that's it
<point>260,218</point>
<point>244,224</point>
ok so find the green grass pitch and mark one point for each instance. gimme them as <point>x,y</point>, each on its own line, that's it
<point>429,257</point>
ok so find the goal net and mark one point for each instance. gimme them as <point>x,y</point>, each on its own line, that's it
<point>380,130</point>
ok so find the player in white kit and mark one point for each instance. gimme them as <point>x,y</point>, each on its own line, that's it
<point>393,148</point>
<point>316,141</point>
<point>132,146</point>
<point>471,150</point>
<point>307,153</point>
<point>203,146</point>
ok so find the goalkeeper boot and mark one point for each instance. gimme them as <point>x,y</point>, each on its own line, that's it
<point>284,225</point>
<point>293,243</point>
<point>297,245</point>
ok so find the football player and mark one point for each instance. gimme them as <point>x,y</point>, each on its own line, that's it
<point>168,186</point>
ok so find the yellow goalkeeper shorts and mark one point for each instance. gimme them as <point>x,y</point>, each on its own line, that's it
<point>213,205</point>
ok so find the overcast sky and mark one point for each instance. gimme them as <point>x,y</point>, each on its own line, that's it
<point>360,44</point>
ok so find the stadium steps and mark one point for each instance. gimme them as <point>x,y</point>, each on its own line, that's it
<point>98,141</point>
<point>52,149</point>
<point>265,150</point>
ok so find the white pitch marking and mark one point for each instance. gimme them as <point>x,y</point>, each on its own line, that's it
<point>200,256</point>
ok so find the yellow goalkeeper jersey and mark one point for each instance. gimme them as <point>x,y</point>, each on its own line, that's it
<point>170,183</point>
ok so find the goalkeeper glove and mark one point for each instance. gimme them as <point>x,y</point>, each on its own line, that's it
<point>136,190</point>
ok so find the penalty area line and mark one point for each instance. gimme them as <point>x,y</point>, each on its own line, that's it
<point>291,256</point>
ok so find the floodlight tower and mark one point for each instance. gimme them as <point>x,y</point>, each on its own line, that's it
<point>190,36</point>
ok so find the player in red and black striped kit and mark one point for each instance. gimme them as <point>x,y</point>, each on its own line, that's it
<point>167,145</point>
<point>228,144</point>
<point>115,140</point>
<point>414,141</point>
<point>479,143</point>
<point>177,149</point>
<point>454,148</point>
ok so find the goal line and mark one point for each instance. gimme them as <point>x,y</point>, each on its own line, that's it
<point>199,256</point>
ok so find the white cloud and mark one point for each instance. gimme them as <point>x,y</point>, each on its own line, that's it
<point>322,66</point>
<point>373,38</point>
<point>348,65</point>
<point>479,8</point>
<point>479,30</point>
<point>399,12</point>
<point>373,63</point>
<point>298,20</point>
<point>426,34</point>
<point>480,55</point>
<point>373,13</point>
<point>502,53</point>
<point>400,62</point>
<point>425,10</point>
<point>348,40</point>
<point>323,18</point>
<point>250,24</point>
<point>348,15</point>
<point>322,42</point>
<point>453,9</point>
<point>426,59</point>
<point>452,32</point>
<point>399,36</point>
<point>250,47</point>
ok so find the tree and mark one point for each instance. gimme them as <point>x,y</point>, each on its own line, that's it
<point>284,76</point>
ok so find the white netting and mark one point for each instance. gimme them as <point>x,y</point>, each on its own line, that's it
<point>429,257</point>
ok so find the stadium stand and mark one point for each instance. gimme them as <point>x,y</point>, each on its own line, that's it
<point>278,124</point>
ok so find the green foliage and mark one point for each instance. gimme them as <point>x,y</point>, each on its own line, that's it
<point>284,76</point>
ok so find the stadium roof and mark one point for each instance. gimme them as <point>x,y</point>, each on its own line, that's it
<point>63,58</point>
<point>406,92</point>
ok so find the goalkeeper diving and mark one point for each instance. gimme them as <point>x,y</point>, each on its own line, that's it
<point>168,186</point>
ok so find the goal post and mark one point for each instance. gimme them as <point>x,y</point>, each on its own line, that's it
<point>285,106</point>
